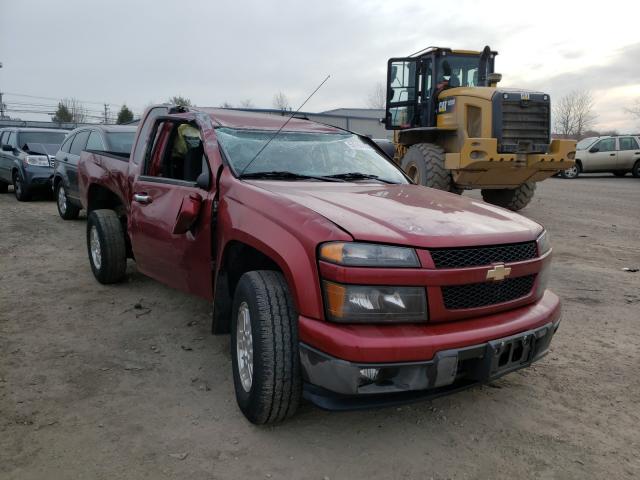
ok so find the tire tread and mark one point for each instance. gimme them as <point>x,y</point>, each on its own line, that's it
<point>113,245</point>
<point>281,390</point>
<point>514,199</point>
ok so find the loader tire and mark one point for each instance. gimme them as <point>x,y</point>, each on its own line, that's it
<point>514,199</point>
<point>424,163</point>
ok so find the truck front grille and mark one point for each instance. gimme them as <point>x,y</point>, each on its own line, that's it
<point>525,126</point>
<point>475,295</point>
<point>477,256</point>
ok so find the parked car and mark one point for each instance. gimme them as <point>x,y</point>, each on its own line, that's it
<point>26,159</point>
<point>337,278</point>
<point>615,154</point>
<point>113,140</point>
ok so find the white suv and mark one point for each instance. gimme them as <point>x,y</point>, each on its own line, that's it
<point>618,155</point>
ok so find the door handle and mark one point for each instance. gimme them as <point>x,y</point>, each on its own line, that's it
<point>141,198</point>
<point>612,154</point>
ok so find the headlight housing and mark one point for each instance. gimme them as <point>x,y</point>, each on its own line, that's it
<point>374,303</point>
<point>544,244</point>
<point>355,254</point>
<point>37,160</point>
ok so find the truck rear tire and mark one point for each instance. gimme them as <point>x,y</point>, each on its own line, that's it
<point>424,163</point>
<point>514,199</point>
<point>635,171</point>
<point>106,246</point>
<point>66,210</point>
<point>264,348</point>
<point>4,187</point>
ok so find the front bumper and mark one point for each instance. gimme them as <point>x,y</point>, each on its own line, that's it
<point>479,164</point>
<point>336,384</point>
<point>38,176</point>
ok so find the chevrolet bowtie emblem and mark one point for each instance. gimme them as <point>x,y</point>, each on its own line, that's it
<point>499,272</point>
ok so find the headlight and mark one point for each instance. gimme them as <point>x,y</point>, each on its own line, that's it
<point>368,255</point>
<point>374,304</point>
<point>37,160</point>
<point>544,244</point>
<point>543,280</point>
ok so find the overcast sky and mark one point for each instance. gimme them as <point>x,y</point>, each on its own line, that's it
<point>141,52</point>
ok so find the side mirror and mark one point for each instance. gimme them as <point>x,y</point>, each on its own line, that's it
<point>594,150</point>
<point>204,180</point>
<point>188,213</point>
<point>7,148</point>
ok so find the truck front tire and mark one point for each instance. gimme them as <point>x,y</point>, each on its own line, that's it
<point>424,163</point>
<point>4,187</point>
<point>514,199</point>
<point>106,246</point>
<point>264,348</point>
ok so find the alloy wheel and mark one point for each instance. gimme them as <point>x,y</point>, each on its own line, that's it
<point>96,252</point>
<point>244,347</point>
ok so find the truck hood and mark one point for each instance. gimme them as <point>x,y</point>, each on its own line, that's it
<point>407,214</point>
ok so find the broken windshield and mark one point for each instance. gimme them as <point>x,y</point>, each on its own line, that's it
<point>306,154</point>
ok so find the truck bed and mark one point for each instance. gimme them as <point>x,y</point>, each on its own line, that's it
<point>109,170</point>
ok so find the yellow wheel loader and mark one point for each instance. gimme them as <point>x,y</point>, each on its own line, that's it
<point>456,130</point>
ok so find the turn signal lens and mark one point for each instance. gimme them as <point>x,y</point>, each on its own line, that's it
<point>544,244</point>
<point>368,255</point>
<point>374,303</point>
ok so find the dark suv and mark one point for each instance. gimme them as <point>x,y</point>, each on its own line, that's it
<point>113,139</point>
<point>26,159</point>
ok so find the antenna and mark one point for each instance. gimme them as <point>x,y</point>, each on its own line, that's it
<point>284,125</point>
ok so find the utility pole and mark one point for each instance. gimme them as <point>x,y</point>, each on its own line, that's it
<point>106,113</point>
<point>1,102</point>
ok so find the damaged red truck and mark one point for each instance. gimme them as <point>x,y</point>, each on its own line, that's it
<point>337,278</point>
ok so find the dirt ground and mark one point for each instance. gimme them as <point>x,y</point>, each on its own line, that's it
<point>125,381</point>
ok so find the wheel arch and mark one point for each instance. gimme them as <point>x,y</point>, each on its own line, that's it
<point>238,257</point>
<point>100,197</point>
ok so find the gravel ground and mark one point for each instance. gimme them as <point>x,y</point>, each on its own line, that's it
<point>126,382</point>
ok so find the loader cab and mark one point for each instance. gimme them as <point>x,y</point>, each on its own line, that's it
<point>414,83</point>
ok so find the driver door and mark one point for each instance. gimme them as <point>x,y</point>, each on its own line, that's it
<point>604,159</point>
<point>402,93</point>
<point>169,182</point>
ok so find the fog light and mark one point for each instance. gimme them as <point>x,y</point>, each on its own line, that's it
<point>368,376</point>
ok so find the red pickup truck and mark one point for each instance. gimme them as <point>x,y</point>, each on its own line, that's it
<point>338,279</point>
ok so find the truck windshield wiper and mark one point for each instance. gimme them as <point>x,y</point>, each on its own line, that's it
<point>286,175</point>
<point>358,176</point>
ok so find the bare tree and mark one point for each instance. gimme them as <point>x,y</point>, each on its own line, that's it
<point>247,103</point>
<point>70,110</point>
<point>281,102</point>
<point>377,96</point>
<point>181,101</point>
<point>226,104</point>
<point>573,113</point>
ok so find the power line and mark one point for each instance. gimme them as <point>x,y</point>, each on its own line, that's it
<point>51,98</point>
